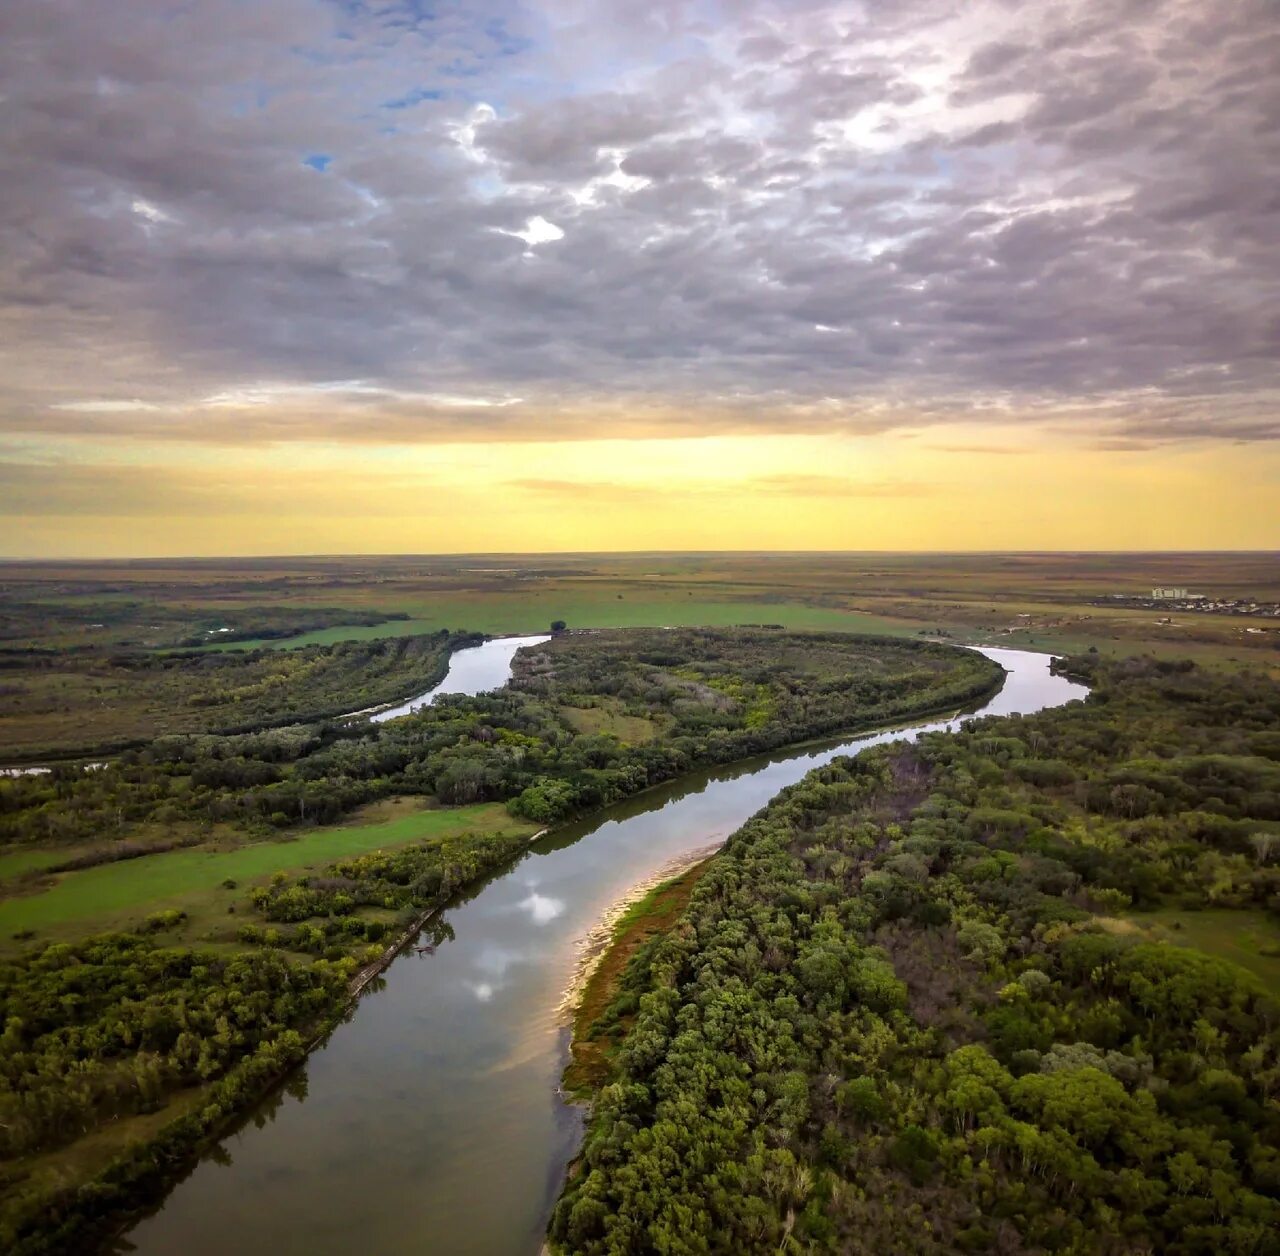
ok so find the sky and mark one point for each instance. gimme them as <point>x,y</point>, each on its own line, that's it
<point>389,276</point>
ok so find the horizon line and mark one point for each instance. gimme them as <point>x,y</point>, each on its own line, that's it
<point>30,560</point>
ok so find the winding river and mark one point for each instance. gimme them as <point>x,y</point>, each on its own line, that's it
<point>475,669</point>
<point>430,1121</point>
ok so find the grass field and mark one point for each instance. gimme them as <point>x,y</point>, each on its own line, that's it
<point>1247,938</point>
<point>631,730</point>
<point>496,613</point>
<point>121,895</point>
<point>331,636</point>
<point>19,861</point>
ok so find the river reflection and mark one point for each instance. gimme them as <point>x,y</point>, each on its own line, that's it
<point>430,1121</point>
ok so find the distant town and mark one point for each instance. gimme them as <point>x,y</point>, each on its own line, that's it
<point>1177,598</point>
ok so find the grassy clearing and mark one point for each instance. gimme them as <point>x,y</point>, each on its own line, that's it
<point>21,861</point>
<point>89,1155</point>
<point>1248,938</point>
<point>331,636</point>
<point>120,895</point>
<point>629,729</point>
<point>592,1047</point>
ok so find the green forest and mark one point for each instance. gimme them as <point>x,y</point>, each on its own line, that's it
<point>914,1004</point>
<point>702,697</point>
<point>107,1031</point>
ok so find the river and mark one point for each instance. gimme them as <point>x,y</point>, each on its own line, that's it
<point>430,1121</point>
<point>475,669</point>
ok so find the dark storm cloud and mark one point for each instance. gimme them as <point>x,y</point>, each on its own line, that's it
<point>230,222</point>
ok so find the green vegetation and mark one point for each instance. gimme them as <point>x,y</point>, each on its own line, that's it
<point>517,745</point>
<point>124,1026</point>
<point>526,612</point>
<point>1248,938</point>
<point>405,627</point>
<point>118,894</point>
<point>131,614</point>
<point>1055,602</point>
<point>595,1035</point>
<point>897,1014</point>
<point>608,719</point>
<point>90,702</point>
<point>223,963</point>
<point>1019,916</point>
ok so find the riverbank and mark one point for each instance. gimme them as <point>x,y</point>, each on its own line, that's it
<point>642,914</point>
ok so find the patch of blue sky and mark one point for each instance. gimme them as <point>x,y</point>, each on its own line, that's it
<point>404,15</point>
<point>318,161</point>
<point>508,45</point>
<point>487,186</point>
<point>415,96</point>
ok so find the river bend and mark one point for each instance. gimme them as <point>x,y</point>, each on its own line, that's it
<point>430,1121</point>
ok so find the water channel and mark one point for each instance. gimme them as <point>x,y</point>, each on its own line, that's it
<point>430,1121</point>
<point>476,669</point>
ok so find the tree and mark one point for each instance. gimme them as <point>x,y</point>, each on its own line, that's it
<point>558,625</point>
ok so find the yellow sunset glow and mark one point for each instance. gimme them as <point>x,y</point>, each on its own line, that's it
<point>969,489</point>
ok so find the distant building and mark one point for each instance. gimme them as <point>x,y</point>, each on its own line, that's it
<point>1161,592</point>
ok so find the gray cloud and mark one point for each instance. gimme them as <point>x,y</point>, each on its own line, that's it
<point>802,220</point>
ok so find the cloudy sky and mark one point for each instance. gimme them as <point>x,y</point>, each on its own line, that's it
<point>308,275</point>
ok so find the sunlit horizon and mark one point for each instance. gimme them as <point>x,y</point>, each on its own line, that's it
<point>324,277</point>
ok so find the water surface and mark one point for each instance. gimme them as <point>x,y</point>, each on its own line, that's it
<point>475,669</point>
<point>430,1121</point>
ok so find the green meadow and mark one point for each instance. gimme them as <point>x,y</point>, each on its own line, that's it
<point>533,612</point>
<point>1248,938</point>
<point>119,895</point>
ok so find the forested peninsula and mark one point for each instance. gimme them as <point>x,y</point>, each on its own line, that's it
<point>919,1004</point>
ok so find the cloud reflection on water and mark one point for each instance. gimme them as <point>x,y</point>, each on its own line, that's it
<point>541,908</point>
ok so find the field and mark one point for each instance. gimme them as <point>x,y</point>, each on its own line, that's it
<point>608,719</point>
<point>499,614</point>
<point>120,895</point>
<point>1042,600</point>
<point>1248,938</point>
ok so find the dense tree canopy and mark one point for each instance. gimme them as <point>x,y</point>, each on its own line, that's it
<point>906,1009</point>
